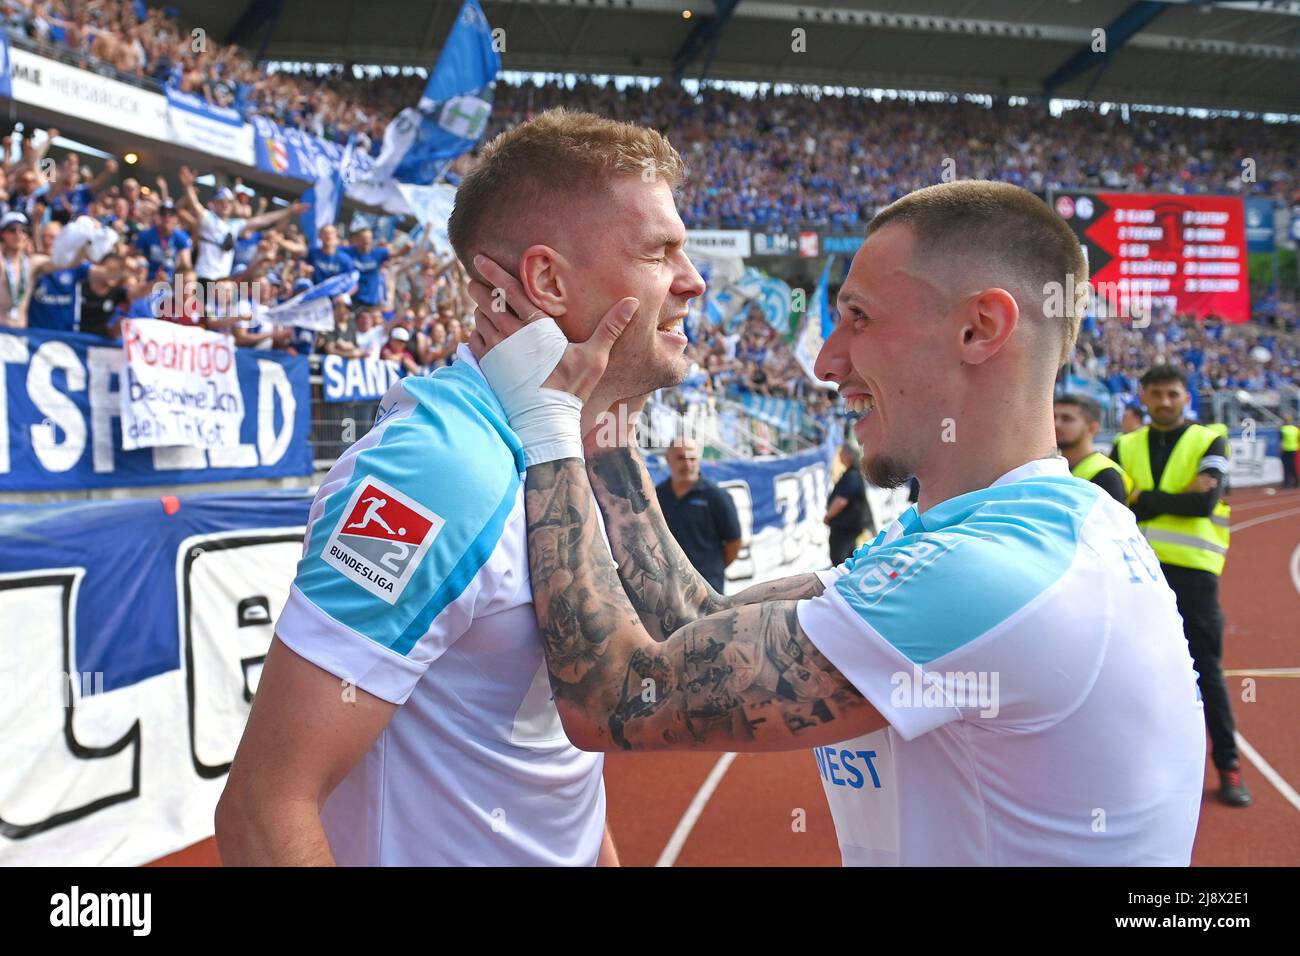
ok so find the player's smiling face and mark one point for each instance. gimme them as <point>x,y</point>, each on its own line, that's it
<point>884,354</point>
<point>635,246</point>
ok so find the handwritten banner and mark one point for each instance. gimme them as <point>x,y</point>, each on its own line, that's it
<point>181,387</point>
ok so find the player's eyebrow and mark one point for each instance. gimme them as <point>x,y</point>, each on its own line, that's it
<point>849,298</point>
<point>664,239</point>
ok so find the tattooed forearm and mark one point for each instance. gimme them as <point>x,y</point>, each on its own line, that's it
<point>664,588</point>
<point>577,596</point>
<point>799,587</point>
<point>745,679</point>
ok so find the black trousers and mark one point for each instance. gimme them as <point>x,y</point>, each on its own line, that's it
<point>842,541</point>
<point>1198,602</point>
<point>1288,469</point>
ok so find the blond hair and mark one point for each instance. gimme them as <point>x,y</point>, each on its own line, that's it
<point>1010,228</point>
<point>558,159</point>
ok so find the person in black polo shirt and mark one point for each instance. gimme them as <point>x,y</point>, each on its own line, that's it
<point>700,515</point>
<point>847,512</point>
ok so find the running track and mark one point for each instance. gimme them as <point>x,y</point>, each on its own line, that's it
<point>739,810</point>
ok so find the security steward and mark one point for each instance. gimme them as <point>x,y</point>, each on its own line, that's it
<point>1178,468</point>
<point>1078,418</point>
<point>1290,445</point>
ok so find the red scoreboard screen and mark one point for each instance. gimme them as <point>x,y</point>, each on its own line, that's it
<point>1187,252</point>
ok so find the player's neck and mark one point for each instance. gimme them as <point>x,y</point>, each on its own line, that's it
<point>980,451</point>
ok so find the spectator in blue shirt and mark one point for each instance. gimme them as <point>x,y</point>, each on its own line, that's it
<point>56,299</point>
<point>327,259</point>
<point>69,197</point>
<point>368,260</point>
<point>167,246</point>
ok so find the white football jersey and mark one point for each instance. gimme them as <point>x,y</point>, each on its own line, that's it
<point>1029,657</point>
<point>414,585</point>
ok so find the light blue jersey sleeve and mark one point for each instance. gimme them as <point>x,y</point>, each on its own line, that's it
<point>946,597</point>
<point>402,532</point>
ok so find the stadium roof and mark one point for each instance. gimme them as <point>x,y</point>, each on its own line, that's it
<point>1231,55</point>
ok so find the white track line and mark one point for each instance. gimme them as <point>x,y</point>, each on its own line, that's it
<point>1264,672</point>
<point>1258,503</point>
<point>1262,765</point>
<point>687,823</point>
<point>1262,519</point>
<point>1271,775</point>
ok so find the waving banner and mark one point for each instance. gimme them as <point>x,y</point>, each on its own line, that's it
<point>314,308</point>
<point>450,118</point>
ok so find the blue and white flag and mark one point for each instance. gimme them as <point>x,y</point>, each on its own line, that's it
<point>421,142</point>
<point>324,198</point>
<point>817,327</point>
<point>769,294</point>
<point>431,206</point>
<point>773,300</point>
<point>314,307</point>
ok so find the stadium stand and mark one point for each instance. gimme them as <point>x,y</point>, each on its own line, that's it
<point>758,159</point>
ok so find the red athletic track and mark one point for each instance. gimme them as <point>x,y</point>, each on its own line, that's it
<point>749,819</point>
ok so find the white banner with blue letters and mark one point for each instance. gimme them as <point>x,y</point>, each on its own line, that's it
<point>61,419</point>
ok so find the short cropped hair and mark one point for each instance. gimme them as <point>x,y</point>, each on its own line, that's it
<point>553,161</point>
<point>1090,407</point>
<point>1160,374</point>
<point>1010,227</point>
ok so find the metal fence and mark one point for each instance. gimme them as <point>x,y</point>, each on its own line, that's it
<point>725,428</point>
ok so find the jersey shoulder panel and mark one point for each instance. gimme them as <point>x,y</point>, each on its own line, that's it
<point>968,564</point>
<point>411,513</point>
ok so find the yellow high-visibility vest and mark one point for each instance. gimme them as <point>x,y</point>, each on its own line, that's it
<point>1290,438</point>
<point>1200,543</point>
<point>1096,463</point>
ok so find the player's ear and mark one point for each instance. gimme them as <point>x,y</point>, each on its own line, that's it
<point>543,274</point>
<point>989,319</point>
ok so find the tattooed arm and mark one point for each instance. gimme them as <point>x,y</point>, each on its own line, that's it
<point>663,586</point>
<point>742,678</point>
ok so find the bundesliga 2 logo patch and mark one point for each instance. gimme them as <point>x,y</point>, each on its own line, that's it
<point>382,539</point>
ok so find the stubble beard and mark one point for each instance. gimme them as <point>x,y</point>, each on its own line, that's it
<point>885,472</point>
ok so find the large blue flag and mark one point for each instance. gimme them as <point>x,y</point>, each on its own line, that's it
<point>453,113</point>
<point>324,198</point>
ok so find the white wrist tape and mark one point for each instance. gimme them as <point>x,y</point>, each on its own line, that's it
<point>548,421</point>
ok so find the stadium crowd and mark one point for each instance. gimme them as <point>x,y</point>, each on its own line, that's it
<point>1215,355</point>
<point>771,161</point>
<point>126,38</point>
<point>411,306</point>
<point>788,161</point>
